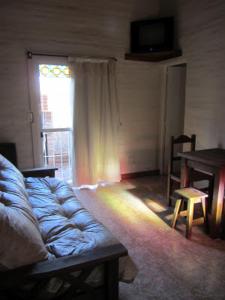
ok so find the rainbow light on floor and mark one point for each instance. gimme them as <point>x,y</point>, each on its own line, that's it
<point>128,207</point>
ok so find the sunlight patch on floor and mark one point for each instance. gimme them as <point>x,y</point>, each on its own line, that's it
<point>156,207</point>
<point>129,207</point>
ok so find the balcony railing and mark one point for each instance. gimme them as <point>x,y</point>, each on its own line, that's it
<point>57,151</point>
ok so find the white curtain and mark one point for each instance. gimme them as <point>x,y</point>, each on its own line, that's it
<point>96,122</point>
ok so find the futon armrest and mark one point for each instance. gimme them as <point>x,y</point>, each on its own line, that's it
<point>39,172</point>
<point>60,265</point>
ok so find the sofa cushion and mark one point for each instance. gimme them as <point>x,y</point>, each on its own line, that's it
<point>66,227</point>
<point>21,242</point>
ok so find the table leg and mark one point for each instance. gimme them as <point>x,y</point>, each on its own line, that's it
<point>217,203</point>
<point>185,173</point>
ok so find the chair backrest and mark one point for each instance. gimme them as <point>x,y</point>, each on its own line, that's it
<point>180,141</point>
<point>8,150</point>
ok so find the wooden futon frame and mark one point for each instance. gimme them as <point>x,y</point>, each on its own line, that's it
<point>62,267</point>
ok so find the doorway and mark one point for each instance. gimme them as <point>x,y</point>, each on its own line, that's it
<point>51,107</point>
<point>174,108</point>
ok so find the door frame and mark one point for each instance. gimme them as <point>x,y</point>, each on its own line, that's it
<point>163,99</point>
<point>34,101</point>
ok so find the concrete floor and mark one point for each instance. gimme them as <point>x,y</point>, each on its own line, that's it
<point>170,266</point>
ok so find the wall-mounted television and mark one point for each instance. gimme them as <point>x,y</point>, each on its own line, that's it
<point>152,35</point>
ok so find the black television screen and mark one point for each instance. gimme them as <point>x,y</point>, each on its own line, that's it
<point>152,35</point>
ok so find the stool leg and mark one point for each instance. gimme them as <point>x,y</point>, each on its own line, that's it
<point>203,208</point>
<point>176,212</point>
<point>189,218</point>
<point>205,215</point>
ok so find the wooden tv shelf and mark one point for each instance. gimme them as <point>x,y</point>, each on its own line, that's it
<point>153,56</point>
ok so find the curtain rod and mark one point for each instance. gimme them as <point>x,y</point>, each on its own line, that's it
<point>30,54</point>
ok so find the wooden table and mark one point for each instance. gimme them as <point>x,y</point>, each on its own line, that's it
<point>211,161</point>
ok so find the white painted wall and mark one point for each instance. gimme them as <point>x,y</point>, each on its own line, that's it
<point>139,88</point>
<point>97,28</point>
<point>200,27</point>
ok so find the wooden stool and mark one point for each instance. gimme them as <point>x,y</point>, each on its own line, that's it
<point>192,196</point>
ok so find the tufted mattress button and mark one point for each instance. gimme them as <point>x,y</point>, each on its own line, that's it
<point>5,202</point>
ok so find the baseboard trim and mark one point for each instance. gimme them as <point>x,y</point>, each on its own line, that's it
<point>140,174</point>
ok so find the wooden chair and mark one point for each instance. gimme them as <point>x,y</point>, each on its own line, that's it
<point>173,167</point>
<point>174,174</point>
